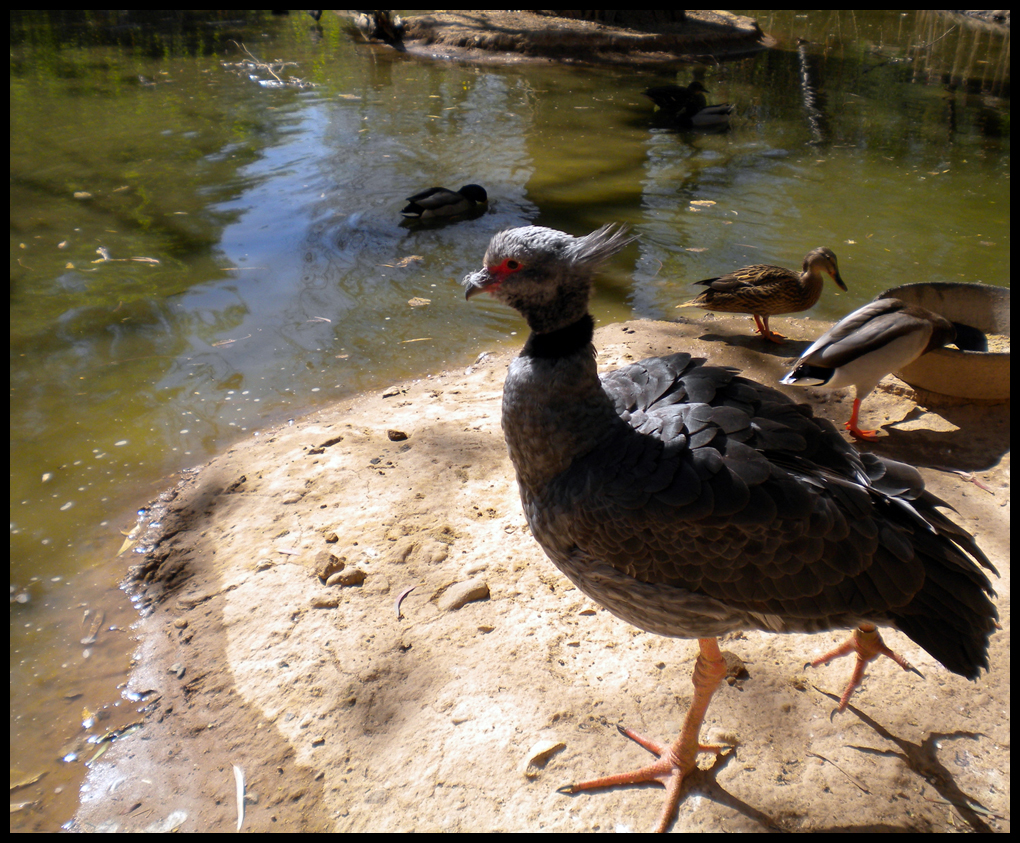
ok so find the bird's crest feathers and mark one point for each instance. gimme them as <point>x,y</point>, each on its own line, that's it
<point>600,245</point>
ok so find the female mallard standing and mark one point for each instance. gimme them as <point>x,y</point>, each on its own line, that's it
<point>764,290</point>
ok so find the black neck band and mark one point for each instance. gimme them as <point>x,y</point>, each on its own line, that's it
<point>562,342</point>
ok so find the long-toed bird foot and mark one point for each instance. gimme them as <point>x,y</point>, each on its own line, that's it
<point>867,645</point>
<point>669,770</point>
<point>676,761</point>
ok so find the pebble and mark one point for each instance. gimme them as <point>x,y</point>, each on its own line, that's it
<point>538,756</point>
<point>327,564</point>
<point>348,576</point>
<point>461,593</point>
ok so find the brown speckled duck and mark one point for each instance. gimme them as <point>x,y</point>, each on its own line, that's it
<point>764,290</point>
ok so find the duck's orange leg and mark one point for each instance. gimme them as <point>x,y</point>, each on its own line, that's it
<point>761,323</point>
<point>855,431</point>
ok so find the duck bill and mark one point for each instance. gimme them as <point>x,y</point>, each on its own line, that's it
<point>839,281</point>
<point>479,282</point>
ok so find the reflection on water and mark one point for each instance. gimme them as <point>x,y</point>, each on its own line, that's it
<point>195,254</point>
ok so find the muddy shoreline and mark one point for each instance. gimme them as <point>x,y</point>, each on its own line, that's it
<point>498,36</point>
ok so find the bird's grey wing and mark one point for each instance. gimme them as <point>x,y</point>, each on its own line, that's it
<point>442,199</point>
<point>864,331</point>
<point>425,194</point>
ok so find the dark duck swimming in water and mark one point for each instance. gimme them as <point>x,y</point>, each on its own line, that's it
<point>687,107</point>
<point>438,202</point>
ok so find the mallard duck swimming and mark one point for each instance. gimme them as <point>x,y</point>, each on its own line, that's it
<point>379,25</point>
<point>440,202</point>
<point>678,97</point>
<point>764,290</point>
<point>708,117</point>
<point>881,337</point>
<point>687,108</point>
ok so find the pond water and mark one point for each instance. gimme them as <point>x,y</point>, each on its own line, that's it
<point>198,250</point>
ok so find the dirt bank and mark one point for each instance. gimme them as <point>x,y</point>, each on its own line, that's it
<point>346,713</point>
<point>492,35</point>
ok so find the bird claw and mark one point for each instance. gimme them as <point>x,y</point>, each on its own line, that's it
<point>673,763</point>
<point>670,769</point>
<point>659,749</point>
<point>867,645</point>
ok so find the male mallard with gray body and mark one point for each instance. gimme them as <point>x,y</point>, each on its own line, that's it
<point>687,108</point>
<point>764,290</point>
<point>379,25</point>
<point>691,502</point>
<point>677,97</point>
<point>440,202</point>
<point>882,337</point>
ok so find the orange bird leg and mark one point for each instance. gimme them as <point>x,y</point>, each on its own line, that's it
<point>867,644</point>
<point>855,431</point>
<point>675,761</point>
<point>762,327</point>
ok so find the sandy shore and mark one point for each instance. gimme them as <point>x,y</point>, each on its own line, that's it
<point>495,681</point>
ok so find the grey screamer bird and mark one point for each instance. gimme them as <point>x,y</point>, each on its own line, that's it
<point>692,502</point>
